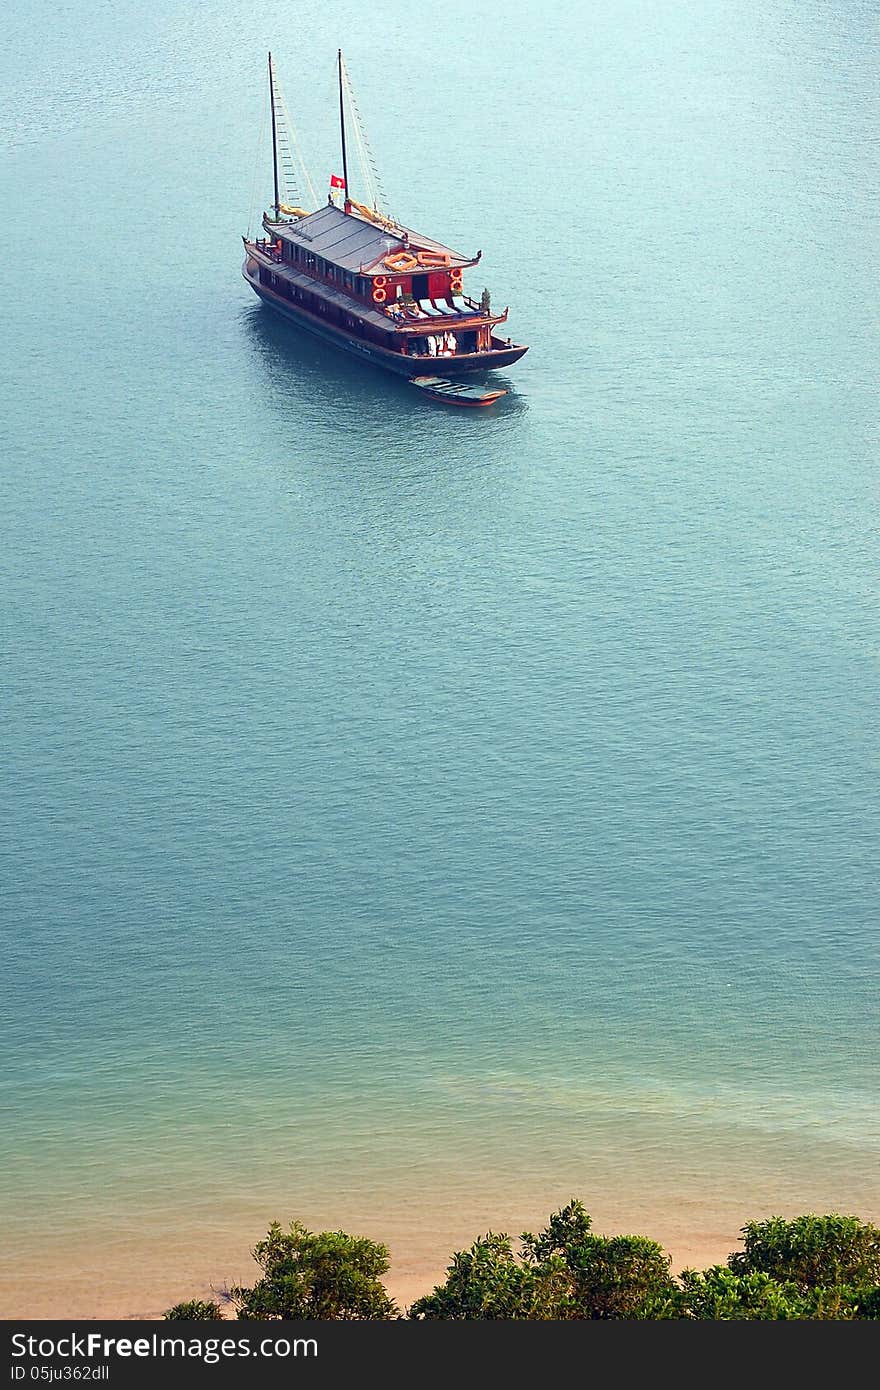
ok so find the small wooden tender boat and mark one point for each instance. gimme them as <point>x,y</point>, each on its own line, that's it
<point>457,392</point>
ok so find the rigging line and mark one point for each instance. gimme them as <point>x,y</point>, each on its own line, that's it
<point>252,207</point>
<point>371,169</point>
<point>296,152</point>
<point>380,196</point>
<point>369,182</point>
<point>373,196</point>
<point>368,162</point>
<point>284,127</point>
<point>335,90</point>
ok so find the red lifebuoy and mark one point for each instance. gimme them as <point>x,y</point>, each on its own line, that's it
<point>455,282</point>
<point>380,281</point>
<point>378,295</point>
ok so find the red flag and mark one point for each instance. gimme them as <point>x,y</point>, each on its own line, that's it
<point>336,181</point>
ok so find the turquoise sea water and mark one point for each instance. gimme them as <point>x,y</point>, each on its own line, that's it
<point>413,817</point>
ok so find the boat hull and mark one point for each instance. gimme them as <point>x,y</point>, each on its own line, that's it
<point>379,356</point>
<point>456,392</point>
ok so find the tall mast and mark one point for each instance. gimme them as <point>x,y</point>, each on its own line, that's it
<point>342,129</point>
<point>274,136</point>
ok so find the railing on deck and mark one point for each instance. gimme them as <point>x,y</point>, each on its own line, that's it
<point>408,312</point>
<point>268,248</point>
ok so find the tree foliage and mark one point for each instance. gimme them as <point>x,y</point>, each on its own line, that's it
<point>486,1282</point>
<point>194,1311</point>
<point>564,1273</point>
<point>317,1275</point>
<point>811,1251</point>
<point>720,1294</point>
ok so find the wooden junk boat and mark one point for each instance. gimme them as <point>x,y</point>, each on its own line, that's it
<point>362,281</point>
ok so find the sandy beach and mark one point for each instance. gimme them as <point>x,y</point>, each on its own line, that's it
<point>87,1287</point>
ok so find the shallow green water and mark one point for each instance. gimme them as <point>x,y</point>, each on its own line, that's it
<point>413,816</point>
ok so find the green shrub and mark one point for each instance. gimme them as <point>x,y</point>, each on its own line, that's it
<point>811,1251</point>
<point>195,1311</point>
<point>564,1273</point>
<point>325,1275</point>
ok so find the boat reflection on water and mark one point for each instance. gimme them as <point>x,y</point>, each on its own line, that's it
<point>309,378</point>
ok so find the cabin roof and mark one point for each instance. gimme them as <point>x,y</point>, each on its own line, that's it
<point>350,242</point>
<point>367,312</point>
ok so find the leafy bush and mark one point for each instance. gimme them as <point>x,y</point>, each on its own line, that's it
<point>485,1282</point>
<point>566,1272</point>
<point>811,1251</point>
<point>195,1311</point>
<point>317,1275</point>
